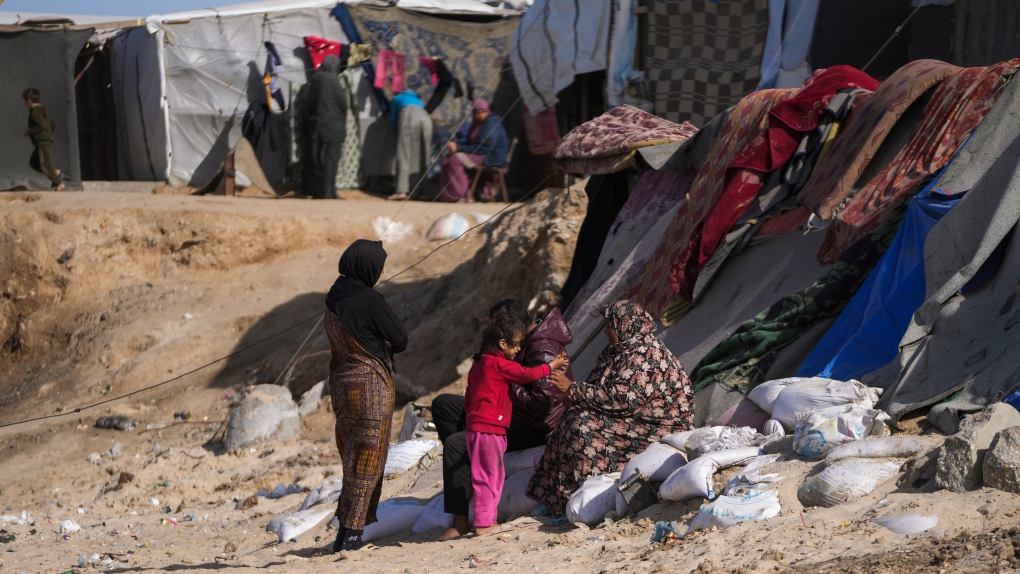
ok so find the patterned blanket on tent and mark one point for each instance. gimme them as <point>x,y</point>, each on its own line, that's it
<point>607,144</point>
<point>872,119</point>
<point>702,57</point>
<point>955,109</point>
<point>473,52</point>
<point>742,359</point>
<point>652,288</point>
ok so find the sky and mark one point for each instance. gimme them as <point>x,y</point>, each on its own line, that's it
<point>128,8</point>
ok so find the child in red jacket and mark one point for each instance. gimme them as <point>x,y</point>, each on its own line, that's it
<point>487,409</point>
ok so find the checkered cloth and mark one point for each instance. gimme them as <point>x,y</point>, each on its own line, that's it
<point>703,56</point>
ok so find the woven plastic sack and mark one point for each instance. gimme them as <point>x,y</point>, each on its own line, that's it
<point>449,226</point>
<point>594,500</point>
<point>845,480</point>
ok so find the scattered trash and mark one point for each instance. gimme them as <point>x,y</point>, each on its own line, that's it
<point>662,528</point>
<point>67,254</point>
<point>167,522</point>
<point>728,511</point>
<point>908,523</point>
<point>81,510</point>
<point>229,547</point>
<point>246,503</point>
<point>115,422</point>
<point>6,537</point>
<point>326,493</point>
<point>94,458</point>
<point>68,526</point>
<point>182,416</point>
<point>154,501</point>
<point>161,483</point>
<point>475,562</point>
<point>748,479</point>
<point>282,490</point>
<point>155,426</point>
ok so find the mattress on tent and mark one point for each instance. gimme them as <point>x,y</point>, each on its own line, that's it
<point>748,283</point>
<point>41,59</point>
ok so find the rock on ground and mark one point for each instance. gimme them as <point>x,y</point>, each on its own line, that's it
<point>310,399</point>
<point>1001,468</point>
<point>266,414</point>
<point>959,464</point>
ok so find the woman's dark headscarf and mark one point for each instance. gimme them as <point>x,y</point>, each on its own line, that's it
<point>363,261</point>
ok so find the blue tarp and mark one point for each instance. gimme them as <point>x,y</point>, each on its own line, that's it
<point>867,333</point>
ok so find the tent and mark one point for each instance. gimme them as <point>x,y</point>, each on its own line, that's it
<point>42,58</point>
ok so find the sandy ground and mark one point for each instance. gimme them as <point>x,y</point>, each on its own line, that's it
<point>158,285</point>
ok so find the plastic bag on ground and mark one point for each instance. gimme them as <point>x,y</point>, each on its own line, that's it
<point>749,478</point>
<point>290,526</point>
<point>325,493</point>
<point>434,515</point>
<point>845,480</point>
<point>695,478</point>
<point>765,394</point>
<point>514,502</point>
<point>908,523</point>
<point>818,393</point>
<point>516,461</point>
<point>886,447</point>
<point>594,500</point>
<point>728,511</point>
<point>404,455</point>
<point>727,439</point>
<point>818,432</point>
<point>395,516</point>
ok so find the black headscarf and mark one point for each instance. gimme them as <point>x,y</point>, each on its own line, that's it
<point>363,310</point>
<point>327,103</point>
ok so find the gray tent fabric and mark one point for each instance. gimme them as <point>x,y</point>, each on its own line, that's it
<point>42,59</point>
<point>692,153</point>
<point>962,342</point>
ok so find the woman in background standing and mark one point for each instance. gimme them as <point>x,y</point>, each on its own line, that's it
<point>325,130</point>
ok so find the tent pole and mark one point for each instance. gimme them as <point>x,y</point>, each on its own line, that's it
<point>895,33</point>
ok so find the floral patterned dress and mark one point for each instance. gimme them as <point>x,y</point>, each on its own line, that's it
<point>637,393</point>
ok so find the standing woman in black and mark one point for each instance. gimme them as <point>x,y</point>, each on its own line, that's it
<point>364,333</point>
<point>325,130</point>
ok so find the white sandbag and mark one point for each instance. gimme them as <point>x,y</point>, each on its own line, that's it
<point>325,493</point>
<point>908,523</point>
<point>818,393</point>
<point>514,462</point>
<point>656,462</point>
<point>845,480</point>
<point>395,516</point>
<point>885,447</point>
<point>765,394</point>
<point>594,500</point>
<point>774,428</point>
<point>679,440</point>
<point>433,516</point>
<point>728,511</point>
<point>695,478</point>
<point>291,526</point>
<point>820,431</point>
<point>449,226</point>
<point>728,438</point>
<point>404,455</point>
<point>750,478</point>
<point>514,502</point>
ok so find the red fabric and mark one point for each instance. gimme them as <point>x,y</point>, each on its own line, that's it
<point>789,221</point>
<point>487,403</point>
<point>318,48</point>
<point>768,151</point>
<point>430,65</point>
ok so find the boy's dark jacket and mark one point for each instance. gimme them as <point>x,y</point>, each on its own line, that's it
<point>540,405</point>
<point>40,125</point>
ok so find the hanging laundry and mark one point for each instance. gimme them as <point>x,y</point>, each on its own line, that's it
<point>430,65</point>
<point>343,15</point>
<point>359,53</point>
<point>393,65</point>
<point>271,77</point>
<point>446,79</point>
<point>542,130</point>
<point>318,48</point>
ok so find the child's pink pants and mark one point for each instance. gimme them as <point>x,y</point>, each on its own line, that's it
<point>486,451</point>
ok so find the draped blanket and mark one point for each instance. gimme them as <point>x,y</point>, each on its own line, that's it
<point>652,288</point>
<point>955,109</point>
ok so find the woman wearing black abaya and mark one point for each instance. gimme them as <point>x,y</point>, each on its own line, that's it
<point>364,333</point>
<point>325,130</point>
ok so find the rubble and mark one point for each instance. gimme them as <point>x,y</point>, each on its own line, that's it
<point>959,464</point>
<point>266,414</point>
<point>1001,467</point>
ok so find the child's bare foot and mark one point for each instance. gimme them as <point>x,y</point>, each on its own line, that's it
<point>59,188</point>
<point>479,531</point>
<point>450,534</point>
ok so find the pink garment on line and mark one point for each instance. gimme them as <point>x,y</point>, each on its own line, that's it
<point>393,64</point>
<point>486,450</point>
<point>430,65</point>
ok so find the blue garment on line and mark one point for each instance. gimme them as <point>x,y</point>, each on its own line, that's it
<point>867,334</point>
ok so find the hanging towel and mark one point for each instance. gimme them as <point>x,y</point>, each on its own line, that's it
<point>394,65</point>
<point>430,65</point>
